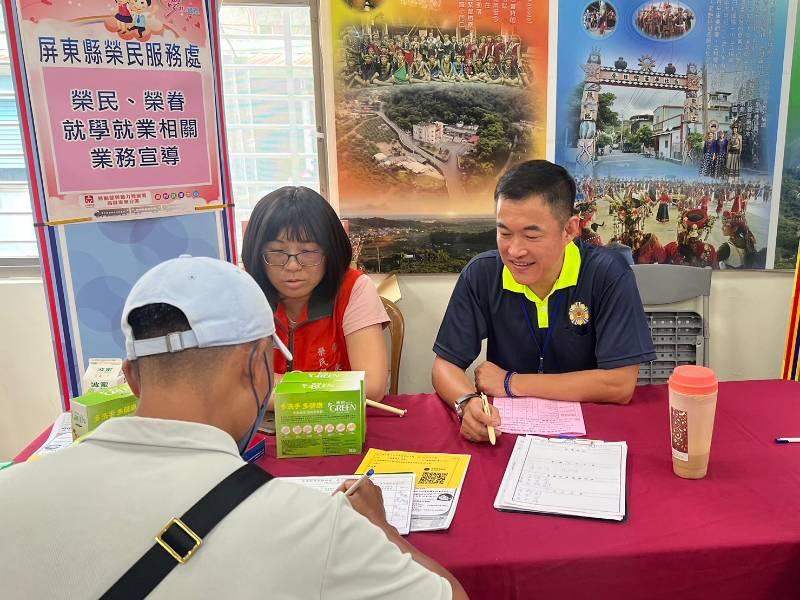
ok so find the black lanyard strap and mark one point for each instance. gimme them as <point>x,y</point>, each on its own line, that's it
<point>542,347</point>
<point>182,537</point>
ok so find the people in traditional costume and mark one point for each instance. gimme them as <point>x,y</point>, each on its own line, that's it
<point>419,70</point>
<point>739,252</point>
<point>650,251</point>
<point>484,48</point>
<point>469,70</point>
<point>458,68</point>
<point>662,216</point>
<point>514,50</point>
<point>733,162</point>
<point>470,49</point>
<point>589,235</point>
<point>434,68</point>
<point>445,49</point>
<point>690,248</point>
<point>491,72</point>
<point>722,197</point>
<point>721,163</point>
<point>738,202</point>
<point>351,73</point>
<point>705,201</point>
<point>707,166</point>
<point>400,68</point>
<point>385,75</point>
<point>510,73</point>
<point>446,72</point>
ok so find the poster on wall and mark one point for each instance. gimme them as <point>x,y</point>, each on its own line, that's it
<point>99,283</point>
<point>788,230</point>
<point>668,118</point>
<point>122,98</point>
<point>434,99</point>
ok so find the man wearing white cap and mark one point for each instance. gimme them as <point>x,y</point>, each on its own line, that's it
<point>163,502</point>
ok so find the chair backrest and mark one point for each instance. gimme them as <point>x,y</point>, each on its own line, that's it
<point>668,284</point>
<point>397,332</point>
<point>665,284</point>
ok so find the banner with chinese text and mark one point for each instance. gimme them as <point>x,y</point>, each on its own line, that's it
<point>122,99</point>
<point>434,100</point>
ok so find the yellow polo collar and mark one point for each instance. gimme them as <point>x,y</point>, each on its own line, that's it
<point>567,278</point>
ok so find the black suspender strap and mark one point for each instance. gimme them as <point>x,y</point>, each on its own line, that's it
<point>182,537</point>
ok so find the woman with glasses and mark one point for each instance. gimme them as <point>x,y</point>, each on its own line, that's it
<point>329,315</point>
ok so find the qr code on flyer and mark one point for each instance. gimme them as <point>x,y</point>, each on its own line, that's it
<point>432,478</point>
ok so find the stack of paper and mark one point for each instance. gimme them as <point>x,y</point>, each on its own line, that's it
<point>397,490</point>
<point>60,437</point>
<point>439,478</point>
<point>582,478</point>
<point>540,417</point>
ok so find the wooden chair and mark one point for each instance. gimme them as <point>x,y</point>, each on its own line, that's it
<point>397,332</point>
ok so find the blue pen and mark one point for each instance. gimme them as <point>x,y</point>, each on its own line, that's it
<point>256,452</point>
<point>361,479</point>
<point>787,440</point>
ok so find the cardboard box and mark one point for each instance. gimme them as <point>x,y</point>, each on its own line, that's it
<point>103,373</point>
<point>320,414</point>
<point>97,406</point>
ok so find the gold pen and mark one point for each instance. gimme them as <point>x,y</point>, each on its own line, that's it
<point>488,412</point>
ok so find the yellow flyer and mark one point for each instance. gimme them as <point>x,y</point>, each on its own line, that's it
<point>439,481</point>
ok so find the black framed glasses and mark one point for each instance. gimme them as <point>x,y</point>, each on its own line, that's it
<point>307,258</point>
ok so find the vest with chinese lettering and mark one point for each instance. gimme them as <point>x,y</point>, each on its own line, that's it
<point>317,342</point>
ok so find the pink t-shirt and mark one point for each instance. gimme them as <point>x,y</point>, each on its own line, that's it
<point>365,307</point>
<point>122,10</point>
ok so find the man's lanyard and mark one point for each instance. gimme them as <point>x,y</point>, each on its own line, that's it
<point>542,348</point>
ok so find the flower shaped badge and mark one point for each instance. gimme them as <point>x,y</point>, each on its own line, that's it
<point>579,314</point>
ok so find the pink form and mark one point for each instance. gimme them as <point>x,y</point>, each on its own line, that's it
<point>540,417</point>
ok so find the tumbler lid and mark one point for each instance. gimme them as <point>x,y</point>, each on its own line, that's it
<point>693,380</point>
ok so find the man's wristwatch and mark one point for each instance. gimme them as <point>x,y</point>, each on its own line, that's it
<point>462,402</point>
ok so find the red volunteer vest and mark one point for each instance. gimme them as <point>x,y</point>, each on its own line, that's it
<point>317,342</point>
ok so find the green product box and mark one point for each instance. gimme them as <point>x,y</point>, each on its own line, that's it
<point>99,405</point>
<point>320,414</point>
<point>351,376</point>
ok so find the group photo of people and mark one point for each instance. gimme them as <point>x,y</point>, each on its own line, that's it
<point>600,18</point>
<point>665,20</point>
<point>375,58</point>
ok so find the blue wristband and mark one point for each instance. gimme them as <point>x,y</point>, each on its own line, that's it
<point>507,383</point>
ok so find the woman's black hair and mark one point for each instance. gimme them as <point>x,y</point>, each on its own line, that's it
<point>303,216</point>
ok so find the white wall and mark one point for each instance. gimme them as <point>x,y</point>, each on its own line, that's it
<point>749,316</point>
<point>29,395</point>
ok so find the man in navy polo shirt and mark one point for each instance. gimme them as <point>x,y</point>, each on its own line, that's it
<point>562,320</point>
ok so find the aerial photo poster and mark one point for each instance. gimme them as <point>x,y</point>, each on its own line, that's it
<point>433,100</point>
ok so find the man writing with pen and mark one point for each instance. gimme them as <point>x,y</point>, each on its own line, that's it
<point>562,320</point>
<point>199,335</point>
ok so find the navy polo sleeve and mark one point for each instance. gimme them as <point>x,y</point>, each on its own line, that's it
<point>623,335</point>
<point>464,324</point>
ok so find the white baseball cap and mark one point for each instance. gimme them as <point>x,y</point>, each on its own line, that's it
<point>223,304</point>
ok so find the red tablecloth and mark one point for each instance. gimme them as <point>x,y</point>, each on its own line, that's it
<point>734,534</point>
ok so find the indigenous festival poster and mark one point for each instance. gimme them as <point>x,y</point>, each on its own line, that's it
<point>434,100</point>
<point>788,233</point>
<point>668,118</point>
<point>122,98</point>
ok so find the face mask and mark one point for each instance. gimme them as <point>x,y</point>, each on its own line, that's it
<point>244,442</point>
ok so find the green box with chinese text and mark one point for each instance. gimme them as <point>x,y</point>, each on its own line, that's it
<point>99,405</point>
<point>320,414</point>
